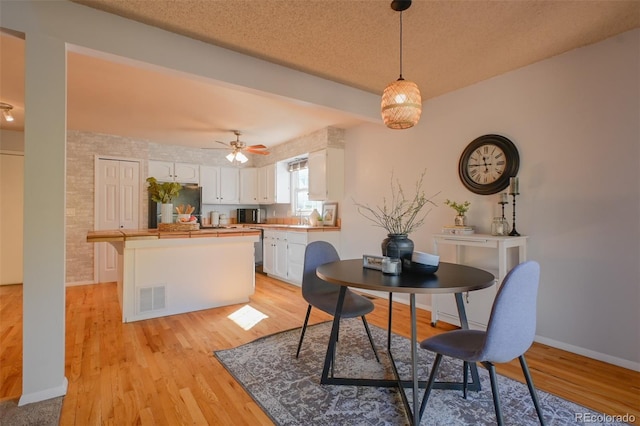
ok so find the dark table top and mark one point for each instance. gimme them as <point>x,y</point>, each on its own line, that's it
<point>449,278</point>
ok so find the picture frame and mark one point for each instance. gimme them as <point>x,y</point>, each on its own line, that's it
<point>370,261</point>
<point>329,213</point>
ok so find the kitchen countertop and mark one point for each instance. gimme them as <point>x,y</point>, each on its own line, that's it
<point>154,234</point>
<point>299,228</point>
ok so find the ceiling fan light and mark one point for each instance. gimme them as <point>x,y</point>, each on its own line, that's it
<point>6,111</point>
<point>231,156</point>
<point>241,157</point>
<point>7,115</point>
<point>401,104</point>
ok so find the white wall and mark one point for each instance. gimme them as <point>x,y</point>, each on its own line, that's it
<point>575,119</point>
<point>11,206</point>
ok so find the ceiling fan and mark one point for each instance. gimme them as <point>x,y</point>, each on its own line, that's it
<point>238,148</point>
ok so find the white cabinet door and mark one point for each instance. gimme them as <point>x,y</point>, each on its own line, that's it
<point>249,186</point>
<point>186,173</point>
<point>274,184</point>
<point>161,170</point>
<point>166,171</point>
<point>280,261</point>
<point>297,244</point>
<point>326,174</point>
<point>229,185</point>
<point>220,185</point>
<point>210,182</point>
<point>268,249</point>
<point>317,175</point>
<point>266,184</point>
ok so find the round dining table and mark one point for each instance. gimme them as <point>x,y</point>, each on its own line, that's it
<point>449,278</point>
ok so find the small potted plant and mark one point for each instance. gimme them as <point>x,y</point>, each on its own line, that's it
<point>164,193</point>
<point>461,209</point>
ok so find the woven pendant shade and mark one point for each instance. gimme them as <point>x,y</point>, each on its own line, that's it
<point>401,104</point>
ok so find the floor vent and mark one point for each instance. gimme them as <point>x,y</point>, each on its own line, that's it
<point>151,299</point>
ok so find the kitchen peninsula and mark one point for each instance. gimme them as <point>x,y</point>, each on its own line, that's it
<point>167,273</point>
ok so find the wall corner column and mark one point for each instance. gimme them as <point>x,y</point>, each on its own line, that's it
<point>44,217</point>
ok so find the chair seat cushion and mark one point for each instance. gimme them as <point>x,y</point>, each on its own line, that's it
<point>462,344</point>
<point>354,304</point>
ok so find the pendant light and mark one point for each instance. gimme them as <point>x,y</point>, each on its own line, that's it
<point>401,104</point>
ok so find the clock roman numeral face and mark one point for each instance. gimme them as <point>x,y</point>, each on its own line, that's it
<point>486,164</point>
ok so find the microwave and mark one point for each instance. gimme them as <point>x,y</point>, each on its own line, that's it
<point>250,216</point>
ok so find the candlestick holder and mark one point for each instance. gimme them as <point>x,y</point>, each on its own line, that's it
<point>513,232</point>
<point>502,203</point>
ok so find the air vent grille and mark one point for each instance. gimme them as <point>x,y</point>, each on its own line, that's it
<point>151,299</point>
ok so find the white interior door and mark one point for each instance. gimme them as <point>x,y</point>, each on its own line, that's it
<point>117,205</point>
<point>11,217</point>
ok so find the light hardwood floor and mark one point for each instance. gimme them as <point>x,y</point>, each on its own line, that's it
<point>162,371</point>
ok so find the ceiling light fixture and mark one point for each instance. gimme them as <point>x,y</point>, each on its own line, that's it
<point>401,104</point>
<point>237,156</point>
<point>6,111</point>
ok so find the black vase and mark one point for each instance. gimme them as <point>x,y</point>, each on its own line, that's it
<point>397,246</point>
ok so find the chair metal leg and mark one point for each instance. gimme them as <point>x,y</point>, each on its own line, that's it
<point>494,390</point>
<point>366,327</point>
<point>465,378</point>
<point>304,328</point>
<point>532,389</point>
<point>432,379</point>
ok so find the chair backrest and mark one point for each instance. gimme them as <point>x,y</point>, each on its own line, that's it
<point>317,253</point>
<point>512,325</point>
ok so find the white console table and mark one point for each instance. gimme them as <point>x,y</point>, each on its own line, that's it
<point>479,302</point>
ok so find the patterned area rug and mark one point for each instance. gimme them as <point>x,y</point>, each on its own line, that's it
<point>289,389</point>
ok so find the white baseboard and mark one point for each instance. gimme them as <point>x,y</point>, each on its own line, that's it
<point>73,284</point>
<point>609,359</point>
<point>44,394</point>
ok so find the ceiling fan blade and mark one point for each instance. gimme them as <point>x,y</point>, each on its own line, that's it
<point>224,143</point>
<point>250,151</point>
<point>260,146</point>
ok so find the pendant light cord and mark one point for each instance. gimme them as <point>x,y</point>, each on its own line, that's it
<point>401,47</point>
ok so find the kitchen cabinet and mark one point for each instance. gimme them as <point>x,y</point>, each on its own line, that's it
<point>296,246</point>
<point>477,303</point>
<point>326,174</point>
<point>166,171</point>
<point>275,253</point>
<point>274,183</point>
<point>220,185</point>
<point>284,251</point>
<point>249,185</point>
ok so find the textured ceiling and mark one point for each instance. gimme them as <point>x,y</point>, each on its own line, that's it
<point>447,45</point>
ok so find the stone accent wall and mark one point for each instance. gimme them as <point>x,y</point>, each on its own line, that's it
<point>329,136</point>
<point>82,148</point>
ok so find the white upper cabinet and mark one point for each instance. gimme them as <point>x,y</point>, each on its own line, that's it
<point>220,185</point>
<point>249,185</point>
<point>274,184</point>
<point>166,171</point>
<point>326,175</point>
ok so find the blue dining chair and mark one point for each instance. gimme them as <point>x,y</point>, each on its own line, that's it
<point>509,334</point>
<point>324,295</point>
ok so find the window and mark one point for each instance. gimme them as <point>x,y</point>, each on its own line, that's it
<point>300,203</point>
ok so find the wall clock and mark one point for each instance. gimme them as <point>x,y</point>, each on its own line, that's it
<point>487,163</point>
